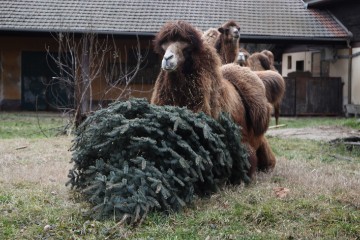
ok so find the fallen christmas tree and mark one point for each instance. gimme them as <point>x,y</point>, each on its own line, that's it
<point>134,157</point>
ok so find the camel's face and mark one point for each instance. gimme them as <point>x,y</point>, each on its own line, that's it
<point>174,55</point>
<point>241,58</point>
<point>232,33</point>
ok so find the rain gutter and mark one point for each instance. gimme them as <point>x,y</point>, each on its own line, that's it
<point>314,3</point>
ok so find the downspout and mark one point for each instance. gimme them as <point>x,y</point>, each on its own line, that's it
<point>348,43</point>
<point>349,72</point>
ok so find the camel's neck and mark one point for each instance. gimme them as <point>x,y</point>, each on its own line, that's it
<point>184,90</point>
<point>229,52</point>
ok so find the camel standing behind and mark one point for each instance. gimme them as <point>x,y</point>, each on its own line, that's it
<point>258,61</point>
<point>275,89</point>
<point>270,56</point>
<point>242,57</point>
<point>192,77</point>
<point>225,39</point>
<point>263,65</point>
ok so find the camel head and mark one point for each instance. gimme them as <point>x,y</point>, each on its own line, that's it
<point>231,31</point>
<point>175,55</point>
<point>242,57</point>
<point>176,42</point>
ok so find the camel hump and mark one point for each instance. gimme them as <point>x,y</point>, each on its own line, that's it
<point>259,61</point>
<point>264,61</point>
<point>274,85</point>
<point>210,36</point>
<point>252,92</point>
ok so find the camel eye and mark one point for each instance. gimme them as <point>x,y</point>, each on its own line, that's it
<point>187,51</point>
<point>226,30</point>
<point>164,46</point>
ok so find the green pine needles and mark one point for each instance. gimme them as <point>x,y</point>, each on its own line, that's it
<point>134,157</point>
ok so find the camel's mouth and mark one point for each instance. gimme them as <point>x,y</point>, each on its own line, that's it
<point>168,65</point>
<point>169,69</point>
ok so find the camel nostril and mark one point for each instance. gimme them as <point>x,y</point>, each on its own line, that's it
<point>168,57</point>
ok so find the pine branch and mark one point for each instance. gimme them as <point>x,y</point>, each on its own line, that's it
<point>132,158</point>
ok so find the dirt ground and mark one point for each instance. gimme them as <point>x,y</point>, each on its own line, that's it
<point>321,133</point>
<point>41,161</point>
<point>46,161</point>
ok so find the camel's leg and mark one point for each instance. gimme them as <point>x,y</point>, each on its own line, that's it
<point>253,161</point>
<point>265,157</point>
<point>277,112</point>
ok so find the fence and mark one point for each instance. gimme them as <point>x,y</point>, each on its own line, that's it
<point>312,96</point>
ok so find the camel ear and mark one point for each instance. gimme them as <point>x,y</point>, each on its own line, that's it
<point>221,29</point>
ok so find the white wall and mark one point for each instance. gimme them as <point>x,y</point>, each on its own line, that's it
<point>355,81</point>
<point>298,56</point>
<point>340,69</point>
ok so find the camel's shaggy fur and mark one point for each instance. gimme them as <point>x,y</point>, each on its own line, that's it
<point>270,56</point>
<point>192,76</point>
<point>275,89</point>
<point>263,65</point>
<point>211,36</point>
<point>258,62</point>
<point>226,41</point>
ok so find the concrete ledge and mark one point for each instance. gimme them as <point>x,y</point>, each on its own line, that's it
<point>352,109</point>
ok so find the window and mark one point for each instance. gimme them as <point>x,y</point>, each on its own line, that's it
<point>300,66</point>
<point>289,59</point>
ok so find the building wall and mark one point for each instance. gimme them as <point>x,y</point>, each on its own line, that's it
<point>340,68</point>
<point>337,68</point>
<point>355,98</point>
<point>296,56</point>
<point>11,48</point>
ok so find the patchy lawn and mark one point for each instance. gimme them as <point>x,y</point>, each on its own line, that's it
<point>313,193</point>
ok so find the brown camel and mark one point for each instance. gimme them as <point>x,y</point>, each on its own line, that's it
<point>242,57</point>
<point>275,89</point>
<point>226,40</point>
<point>192,77</point>
<point>263,65</point>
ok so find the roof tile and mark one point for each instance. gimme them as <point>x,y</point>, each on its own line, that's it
<point>281,18</point>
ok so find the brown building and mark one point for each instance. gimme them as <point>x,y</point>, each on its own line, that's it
<point>27,29</point>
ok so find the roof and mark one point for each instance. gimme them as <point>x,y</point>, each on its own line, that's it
<point>282,19</point>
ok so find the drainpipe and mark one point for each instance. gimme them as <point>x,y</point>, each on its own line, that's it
<point>350,56</point>
<point>349,73</point>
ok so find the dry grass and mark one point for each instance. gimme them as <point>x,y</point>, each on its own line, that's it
<point>311,181</point>
<point>323,201</point>
<point>44,162</point>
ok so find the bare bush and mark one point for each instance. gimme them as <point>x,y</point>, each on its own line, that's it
<point>80,61</point>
